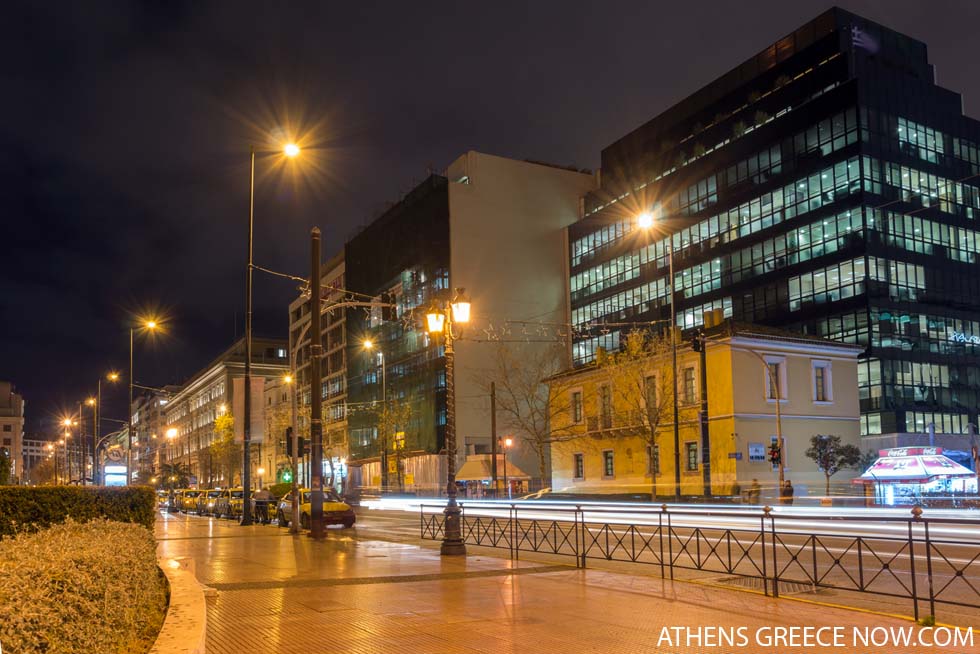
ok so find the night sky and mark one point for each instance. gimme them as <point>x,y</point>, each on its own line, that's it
<point>125,128</point>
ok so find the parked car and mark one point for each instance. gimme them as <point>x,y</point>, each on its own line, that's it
<point>206,500</point>
<point>335,510</point>
<point>188,500</point>
<point>229,503</point>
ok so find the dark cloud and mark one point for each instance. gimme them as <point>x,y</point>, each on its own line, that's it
<point>125,128</point>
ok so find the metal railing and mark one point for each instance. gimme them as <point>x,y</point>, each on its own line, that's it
<point>906,560</point>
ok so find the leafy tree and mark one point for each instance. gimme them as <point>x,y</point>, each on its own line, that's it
<point>4,467</point>
<point>175,475</point>
<point>643,386</point>
<point>868,457</point>
<point>394,425</point>
<point>530,397</point>
<point>832,456</point>
<point>226,453</point>
<point>43,472</point>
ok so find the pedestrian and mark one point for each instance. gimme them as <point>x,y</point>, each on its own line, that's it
<point>263,498</point>
<point>736,491</point>
<point>755,491</point>
<point>789,490</point>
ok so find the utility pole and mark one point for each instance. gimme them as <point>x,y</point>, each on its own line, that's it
<point>247,417</point>
<point>701,345</point>
<point>316,399</point>
<point>673,362</point>
<point>493,436</point>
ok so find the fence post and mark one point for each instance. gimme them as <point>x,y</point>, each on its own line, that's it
<point>916,512</point>
<point>421,522</point>
<point>670,542</point>
<point>775,564</point>
<point>517,549</point>
<point>663,509</point>
<point>585,549</point>
<point>511,518</point>
<point>932,596</point>
<point>762,535</point>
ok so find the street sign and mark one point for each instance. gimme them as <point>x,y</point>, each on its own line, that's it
<point>114,453</point>
<point>392,465</point>
<point>409,478</point>
<point>735,455</point>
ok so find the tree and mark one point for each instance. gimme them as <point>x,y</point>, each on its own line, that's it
<point>4,467</point>
<point>832,456</point>
<point>868,457</point>
<point>530,396</point>
<point>394,420</point>
<point>643,385</point>
<point>175,475</point>
<point>226,453</point>
<point>43,472</point>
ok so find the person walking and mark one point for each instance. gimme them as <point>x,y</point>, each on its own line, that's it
<point>755,491</point>
<point>788,493</point>
<point>263,498</point>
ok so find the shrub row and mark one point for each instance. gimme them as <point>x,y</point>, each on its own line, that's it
<point>74,588</point>
<point>25,508</point>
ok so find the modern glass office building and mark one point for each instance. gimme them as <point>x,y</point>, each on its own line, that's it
<point>827,186</point>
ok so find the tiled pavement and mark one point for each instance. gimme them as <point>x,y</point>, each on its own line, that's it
<point>282,593</point>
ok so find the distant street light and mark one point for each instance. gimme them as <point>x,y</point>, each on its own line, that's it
<point>508,442</point>
<point>440,320</point>
<point>383,440</point>
<point>145,324</point>
<point>290,150</point>
<point>645,220</point>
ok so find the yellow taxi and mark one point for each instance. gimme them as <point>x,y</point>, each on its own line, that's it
<point>335,510</point>
<point>229,503</point>
<point>188,500</point>
<point>206,500</point>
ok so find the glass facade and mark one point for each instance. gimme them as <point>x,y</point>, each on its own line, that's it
<point>826,186</point>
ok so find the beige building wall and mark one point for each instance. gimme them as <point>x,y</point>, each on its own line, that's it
<point>742,419</point>
<point>507,244</point>
<point>12,428</point>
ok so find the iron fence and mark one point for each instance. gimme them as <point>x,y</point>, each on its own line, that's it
<point>906,559</point>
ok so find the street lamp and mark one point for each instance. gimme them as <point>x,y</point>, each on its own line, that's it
<point>646,220</point>
<point>148,324</point>
<point>508,442</point>
<point>290,150</point>
<point>440,320</point>
<point>383,440</point>
<point>94,403</point>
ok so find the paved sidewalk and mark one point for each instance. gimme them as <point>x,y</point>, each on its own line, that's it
<point>282,593</point>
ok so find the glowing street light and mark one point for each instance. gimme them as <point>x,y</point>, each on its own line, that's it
<point>440,320</point>
<point>290,150</point>
<point>287,379</point>
<point>148,324</point>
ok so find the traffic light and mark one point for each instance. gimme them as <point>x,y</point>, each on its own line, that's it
<point>289,441</point>
<point>697,341</point>
<point>775,454</point>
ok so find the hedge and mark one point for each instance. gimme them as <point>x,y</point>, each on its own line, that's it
<point>26,508</point>
<point>73,588</point>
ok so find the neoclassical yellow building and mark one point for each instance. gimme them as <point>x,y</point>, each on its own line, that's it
<point>602,436</point>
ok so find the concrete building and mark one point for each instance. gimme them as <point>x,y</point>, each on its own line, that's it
<point>492,225</point>
<point>12,429</point>
<point>604,443</point>
<point>190,414</point>
<point>333,370</point>
<point>828,186</point>
<point>34,451</point>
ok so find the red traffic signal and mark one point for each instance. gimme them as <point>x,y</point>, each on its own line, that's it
<point>775,454</point>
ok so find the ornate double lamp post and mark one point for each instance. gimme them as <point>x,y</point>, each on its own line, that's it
<point>440,320</point>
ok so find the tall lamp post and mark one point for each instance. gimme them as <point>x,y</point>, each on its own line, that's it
<point>147,325</point>
<point>383,440</point>
<point>440,320</point>
<point>94,403</point>
<point>645,221</point>
<point>67,422</point>
<point>290,150</point>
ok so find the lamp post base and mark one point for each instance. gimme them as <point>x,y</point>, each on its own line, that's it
<point>452,548</point>
<point>452,540</point>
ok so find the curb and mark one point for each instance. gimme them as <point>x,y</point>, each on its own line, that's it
<point>185,626</point>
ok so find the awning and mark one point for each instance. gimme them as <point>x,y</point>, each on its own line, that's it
<point>913,465</point>
<point>478,468</point>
